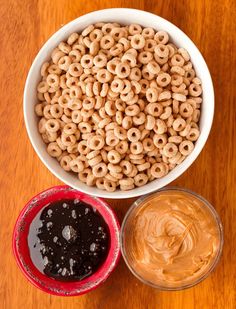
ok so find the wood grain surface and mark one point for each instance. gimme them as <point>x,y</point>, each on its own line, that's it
<point>24,27</point>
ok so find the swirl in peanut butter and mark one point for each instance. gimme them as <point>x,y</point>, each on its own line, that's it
<point>173,239</point>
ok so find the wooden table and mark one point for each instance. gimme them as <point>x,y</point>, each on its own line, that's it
<point>25,26</point>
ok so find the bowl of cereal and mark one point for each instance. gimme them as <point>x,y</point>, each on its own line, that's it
<point>118,103</point>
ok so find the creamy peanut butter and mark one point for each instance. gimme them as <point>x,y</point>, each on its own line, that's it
<point>172,238</point>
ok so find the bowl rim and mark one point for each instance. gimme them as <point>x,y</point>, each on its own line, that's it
<point>25,211</point>
<point>211,210</point>
<point>172,175</point>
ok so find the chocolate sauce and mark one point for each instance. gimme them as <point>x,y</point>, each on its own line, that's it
<point>68,240</point>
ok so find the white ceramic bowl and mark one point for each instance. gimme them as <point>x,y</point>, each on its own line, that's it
<point>122,16</point>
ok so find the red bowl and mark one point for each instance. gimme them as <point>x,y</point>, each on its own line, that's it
<point>21,249</point>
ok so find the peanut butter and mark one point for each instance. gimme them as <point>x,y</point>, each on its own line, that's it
<point>173,238</point>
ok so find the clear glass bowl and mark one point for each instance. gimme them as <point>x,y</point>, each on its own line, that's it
<point>128,227</point>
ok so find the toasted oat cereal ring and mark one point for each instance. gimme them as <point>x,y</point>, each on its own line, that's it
<point>65,163</point>
<point>161,126</point>
<point>96,142</point>
<point>186,110</point>
<point>65,119</point>
<point>83,147</point>
<point>122,70</point>
<point>53,80</point>
<point>183,52</point>
<point>145,57</point>
<point>91,180</point>
<point>106,42</point>
<point>52,125</point>
<point>71,82</point>
<point>161,37</point>
<point>130,59</point>
<point>60,144</point>
<point>42,87</point>
<point>154,109</point>
<point>179,124</point>
<point>110,108</point>
<point>114,168</point>
<point>196,115</point>
<point>147,74</point>
<point>109,186</point>
<point>87,30</point>
<point>83,175</point>
<point>143,167</point>
<point>135,74</point>
<point>72,149</point>
<point>167,113</point>
<point>152,94</point>
<point>75,56</point>
<point>94,161</point>
<point>99,170</point>
<point>112,140</point>
<point>72,38</point>
<point>76,165</point>
<point>140,179</point>
<point>63,100</point>
<point>104,90</point>
<point>132,110</point>
<point>120,133</point>
<point>134,172</point>
<point>176,80</point>
<point>120,105</point>
<point>95,35</point>
<point>56,111</point>
<point>144,85</point>
<point>175,139</point>
<point>122,147</point>
<point>70,128</point>
<point>158,170</point>
<point>153,67</point>
<point>137,41</point>
<point>193,134</point>
<point>44,69</point>
<point>117,85</point>
<point>54,150</point>
<point>64,63</point>
<point>88,103</point>
<point>76,116</point>
<point>139,119</point>
<point>133,134</point>
<point>160,140</point>
<point>175,159</point>
<point>100,61</point>
<point>163,79</point>
<point>177,60</point>
<point>186,147</point>
<point>179,97</point>
<point>103,76</point>
<point>148,144</point>
<point>51,136</point>
<point>170,150</point>
<point>126,167</point>
<point>104,122</point>
<point>134,29</point>
<point>64,47</point>
<point>87,136</point>
<point>85,127</point>
<point>113,156</point>
<point>150,122</point>
<point>68,140</point>
<point>165,96</point>
<point>144,133</point>
<point>117,176</point>
<point>74,104</point>
<point>111,126</point>
<point>41,125</point>
<point>136,148</point>
<point>126,182</point>
<point>86,61</point>
<point>100,183</point>
<point>195,90</point>
<point>126,188</point>
<point>161,50</point>
<point>116,49</point>
<point>148,33</point>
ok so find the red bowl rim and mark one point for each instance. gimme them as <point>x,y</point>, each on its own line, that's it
<point>114,240</point>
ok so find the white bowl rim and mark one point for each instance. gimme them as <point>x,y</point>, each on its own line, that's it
<point>177,171</point>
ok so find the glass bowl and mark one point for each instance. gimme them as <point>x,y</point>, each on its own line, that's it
<point>141,267</point>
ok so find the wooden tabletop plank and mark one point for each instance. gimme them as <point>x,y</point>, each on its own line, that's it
<point>25,26</point>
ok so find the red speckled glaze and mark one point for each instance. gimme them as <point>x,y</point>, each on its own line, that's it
<point>21,250</point>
